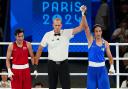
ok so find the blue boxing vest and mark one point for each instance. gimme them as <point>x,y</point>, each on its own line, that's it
<point>96,53</point>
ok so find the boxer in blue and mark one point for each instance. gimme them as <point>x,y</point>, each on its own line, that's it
<point>97,76</point>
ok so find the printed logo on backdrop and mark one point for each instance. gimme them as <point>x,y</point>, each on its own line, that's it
<point>66,10</point>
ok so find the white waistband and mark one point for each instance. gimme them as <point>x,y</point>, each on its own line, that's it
<point>14,66</point>
<point>95,64</point>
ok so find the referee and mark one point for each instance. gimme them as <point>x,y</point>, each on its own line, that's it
<point>57,42</point>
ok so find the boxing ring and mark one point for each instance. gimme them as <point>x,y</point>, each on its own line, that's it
<point>117,58</point>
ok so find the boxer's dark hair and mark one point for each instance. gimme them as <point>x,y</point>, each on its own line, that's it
<point>97,25</point>
<point>19,30</point>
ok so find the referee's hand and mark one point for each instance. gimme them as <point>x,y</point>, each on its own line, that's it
<point>35,70</point>
<point>35,73</point>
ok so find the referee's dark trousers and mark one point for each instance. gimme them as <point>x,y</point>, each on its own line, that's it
<point>58,70</point>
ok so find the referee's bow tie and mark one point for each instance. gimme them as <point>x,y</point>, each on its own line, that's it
<point>57,34</point>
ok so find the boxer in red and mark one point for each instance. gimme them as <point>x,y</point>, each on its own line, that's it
<point>19,51</point>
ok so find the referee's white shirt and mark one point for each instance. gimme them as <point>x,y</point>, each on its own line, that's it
<point>57,45</point>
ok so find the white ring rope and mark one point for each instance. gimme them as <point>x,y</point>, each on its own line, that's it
<point>121,44</point>
<point>71,88</point>
<point>74,74</point>
<point>74,58</point>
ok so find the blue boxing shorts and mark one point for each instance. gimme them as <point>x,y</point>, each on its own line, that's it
<point>97,77</point>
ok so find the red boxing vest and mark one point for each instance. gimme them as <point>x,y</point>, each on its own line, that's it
<point>20,54</point>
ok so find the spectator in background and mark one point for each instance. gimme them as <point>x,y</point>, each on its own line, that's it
<point>123,10</point>
<point>124,67</point>
<point>38,85</point>
<point>121,35</point>
<point>125,82</point>
<point>118,34</point>
<point>5,83</point>
<point>126,61</point>
<point>102,18</point>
